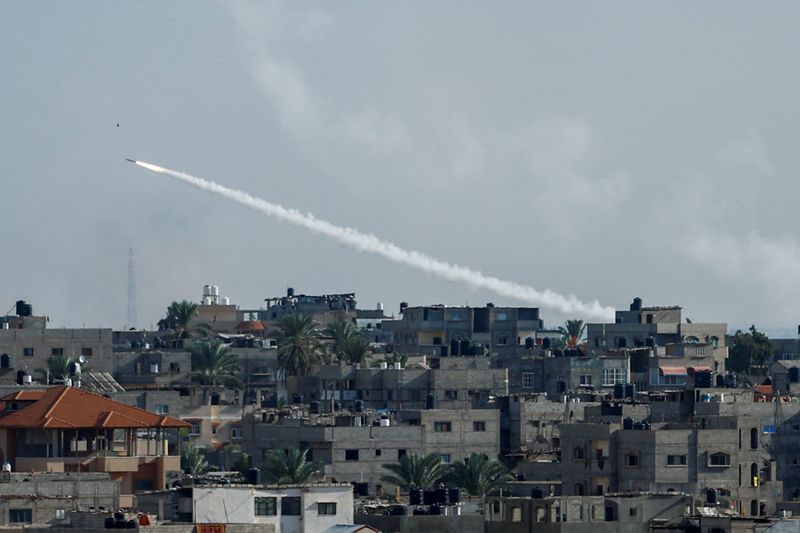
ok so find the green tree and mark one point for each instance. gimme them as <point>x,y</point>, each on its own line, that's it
<point>356,351</point>
<point>193,460</point>
<point>751,348</point>
<point>393,358</point>
<point>290,467</point>
<point>573,332</point>
<point>58,366</point>
<point>299,347</point>
<point>341,332</point>
<point>178,319</point>
<point>478,475</point>
<point>214,364</point>
<point>416,471</point>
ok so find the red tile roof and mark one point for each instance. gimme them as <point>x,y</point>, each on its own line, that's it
<point>24,396</point>
<point>69,407</point>
<point>250,325</point>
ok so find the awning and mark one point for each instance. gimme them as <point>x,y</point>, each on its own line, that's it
<point>699,369</point>
<point>672,370</point>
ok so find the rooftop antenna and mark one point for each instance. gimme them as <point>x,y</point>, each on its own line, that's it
<point>132,318</point>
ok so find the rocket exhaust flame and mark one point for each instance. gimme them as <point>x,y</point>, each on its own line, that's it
<point>364,242</point>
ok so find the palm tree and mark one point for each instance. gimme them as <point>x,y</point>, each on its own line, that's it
<point>416,471</point>
<point>59,366</point>
<point>298,345</point>
<point>478,475</point>
<point>393,358</point>
<point>179,316</point>
<point>290,467</point>
<point>214,364</point>
<point>356,350</point>
<point>341,332</point>
<point>193,460</point>
<point>573,332</point>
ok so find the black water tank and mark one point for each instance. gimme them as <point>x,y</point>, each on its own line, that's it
<point>546,343</point>
<point>637,426</point>
<point>415,496</point>
<point>119,524</point>
<point>403,306</point>
<point>630,390</point>
<point>627,423</point>
<point>109,522</point>
<point>436,509</point>
<point>537,494</point>
<point>619,391</point>
<point>297,398</point>
<point>794,374</point>
<point>290,292</point>
<point>464,347</point>
<point>441,496</point>
<point>419,511</point>
<point>20,376</point>
<point>24,309</point>
<point>313,408</point>
<point>254,476</point>
<point>429,401</point>
<point>646,425</point>
<point>529,343</point>
<point>636,305</point>
<point>362,489</point>
<point>650,342</point>
<point>359,406</point>
<point>712,496</point>
<point>720,381</point>
<point>453,495</point>
<point>455,347</point>
<point>731,381</point>
<point>443,350</point>
<point>428,497</point>
<point>702,380</point>
<point>130,524</point>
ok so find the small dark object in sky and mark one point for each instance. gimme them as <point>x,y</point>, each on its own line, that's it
<point>118,124</point>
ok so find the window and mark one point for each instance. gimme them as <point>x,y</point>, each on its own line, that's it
<point>351,455</point>
<point>516,514</point>
<point>502,339</point>
<point>714,341</point>
<point>5,361</point>
<point>56,352</point>
<point>20,516</point>
<point>479,426</point>
<point>633,511</point>
<point>586,380</point>
<point>290,505</point>
<point>676,460</point>
<point>326,508</point>
<point>174,368</point>
<point>501,315</point>
<point>451,394</point>
<point>27,352</point>
<point>266,506</point>
<point>719,459</point>
<point>612,376</point>
<point>86,352</point>
<point>378,453</point>
<point>236,432</point>
<point>632,459</point>
<point>195,429</point>
<point>578,453</point>
<point>401,453</point>
<point>442,426</point>
<point>161,409</point>
<point>446,458</point>
<point>456,317</point>
<point>527,380</point>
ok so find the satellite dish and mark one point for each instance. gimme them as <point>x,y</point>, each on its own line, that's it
<point>81,359</point>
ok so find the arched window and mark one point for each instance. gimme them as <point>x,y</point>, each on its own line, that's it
<point>754,475</point>
<point>691,339</point>
<point>214,398</point>
<point>516,514</point>
<point>754,508</point>
<point>754,439</point>
<point>715,341</point>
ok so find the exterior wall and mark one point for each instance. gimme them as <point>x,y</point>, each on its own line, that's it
<point>157,368</point>
<point>34,335</point>
<point>236,505</point>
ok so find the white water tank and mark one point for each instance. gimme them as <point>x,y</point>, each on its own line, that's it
<point>214,290</point>
<point>206,300</point>
<point>206,290</point>
<point>379,307</point>
<point>226,300</point>
<point>398,365</point>
<point>384,365</point>
<point>385,422</point>
<point>27,379</point>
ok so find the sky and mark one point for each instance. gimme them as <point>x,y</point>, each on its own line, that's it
<point>605,150</point>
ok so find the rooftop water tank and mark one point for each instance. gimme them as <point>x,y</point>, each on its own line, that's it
<point>206,290</point>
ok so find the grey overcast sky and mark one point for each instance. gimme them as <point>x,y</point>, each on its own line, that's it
<point>602,149</point>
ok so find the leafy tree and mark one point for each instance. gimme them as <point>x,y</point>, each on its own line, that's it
<point>290,467</point>
<point>341,332</point>
<point>179,316</point>
<point>573,332</point>
<point>416,471</point>
<point>193,460</point>
<point>214,364</point>
<point>478,475</point>
<point>752,348</point>
<point>356,350</point>
<point>59,366</point>
<point>299,347</point>
<point>393,358</point>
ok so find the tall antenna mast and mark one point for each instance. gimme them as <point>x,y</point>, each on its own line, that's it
<point>132,318</point>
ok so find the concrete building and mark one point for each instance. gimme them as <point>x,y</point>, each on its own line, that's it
<point>355,446</point>
<point>456,331</point>
<point>26,344</point>
<point>270,508</point>
<point>46,499</point>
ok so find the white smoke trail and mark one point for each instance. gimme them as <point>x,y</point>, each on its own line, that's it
<point>567,305</point>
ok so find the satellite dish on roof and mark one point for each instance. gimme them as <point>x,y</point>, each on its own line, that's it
<point>81,359</point>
